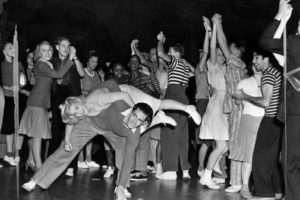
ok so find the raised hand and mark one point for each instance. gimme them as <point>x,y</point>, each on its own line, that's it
<point>161,37</point>
<point>135,43</point>
<point>285,10</point>
<point>217,19</point>
<point>206,23</point>
<point>72,53</point>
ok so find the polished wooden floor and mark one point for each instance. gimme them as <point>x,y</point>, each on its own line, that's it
<point>90,184</point>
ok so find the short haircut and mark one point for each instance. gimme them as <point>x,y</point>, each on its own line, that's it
<point>3,45</point>
<point>61,38</point>
<point>179,48</point>
<point>135,57</point>
<point>146,109</point>
<point>267,54</point>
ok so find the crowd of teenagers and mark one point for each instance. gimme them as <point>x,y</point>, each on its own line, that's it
<point>142,111</point>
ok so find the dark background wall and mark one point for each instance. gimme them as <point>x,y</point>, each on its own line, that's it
<point>109,25</point>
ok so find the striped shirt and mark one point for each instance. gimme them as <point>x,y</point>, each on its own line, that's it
<point>178,71</point>
<point>272,76</point>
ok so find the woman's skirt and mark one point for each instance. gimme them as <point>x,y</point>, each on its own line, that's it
<point>35,123</point>
<point>242,148</point>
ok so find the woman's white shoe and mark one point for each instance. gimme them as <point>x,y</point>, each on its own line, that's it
<point>29,186</point>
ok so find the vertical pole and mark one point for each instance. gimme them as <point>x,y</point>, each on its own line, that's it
<point>16,100</point>
<point>284,101</point>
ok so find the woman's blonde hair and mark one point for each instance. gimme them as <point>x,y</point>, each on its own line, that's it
<point>37,51</point>
<point>66,116</point>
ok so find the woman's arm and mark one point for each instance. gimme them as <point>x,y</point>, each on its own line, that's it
<point>213,44</point>
<point>68,131</point>
<point>222,38</point>
<point>203,58</point>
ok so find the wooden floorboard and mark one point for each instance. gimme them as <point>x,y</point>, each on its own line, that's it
<point>90,185</point>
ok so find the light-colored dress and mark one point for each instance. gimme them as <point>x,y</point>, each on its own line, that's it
<point>215,122</point>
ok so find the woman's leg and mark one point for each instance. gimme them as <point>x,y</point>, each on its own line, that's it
<point>246,171</point>
<point>9,144</point>
<point>206,179</point>
<point>88,152</point>
<point>36,150</point>
<point>201,157</point>
<point>221,147</point>
<point>235,176</point>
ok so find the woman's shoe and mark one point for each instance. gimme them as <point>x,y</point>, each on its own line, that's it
<point>233,189</point>
<point>29,186</point>
<point>10,160</point>
<point>207,180</point>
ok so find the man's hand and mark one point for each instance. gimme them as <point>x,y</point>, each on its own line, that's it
<point>72,53</point>
<point>239,95</point>
<point>206,24</point>
<point>284,11</point>
<point>68,145</point>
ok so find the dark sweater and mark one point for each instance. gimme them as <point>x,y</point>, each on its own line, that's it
<point>44,75</point>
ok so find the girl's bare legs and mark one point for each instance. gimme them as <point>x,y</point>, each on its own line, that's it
<point>246,171</point>
<point>36,150</point>
<point>206,179</point>
<point>88,152</point>
<point>201,158</point>
<point>9,157</point>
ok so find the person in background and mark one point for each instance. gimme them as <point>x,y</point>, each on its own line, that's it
<point>202,94</point>
<point>175,141</point>
<point>68,85</point>
<point>271,39</point>
<point>215,122</point>
<point>35,122</point>
<point>265,164</point>
<point>234,73</point>
<point>242,149</point>
<point>8,128</point>
<point>90,79</point>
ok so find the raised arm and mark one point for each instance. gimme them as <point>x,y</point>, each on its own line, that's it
<point>77,62</point>
<point>213,44</point>
<point>203,58</point>
<point>160,48</point>
<point>270,39</point>
<point>222,40</point>
<point>45,70</point>
<point>134,46</point>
